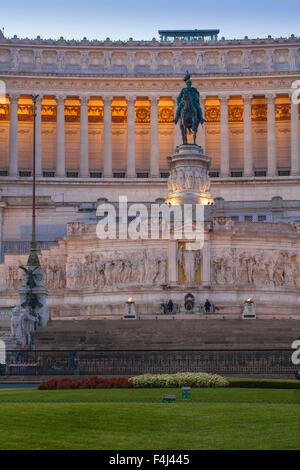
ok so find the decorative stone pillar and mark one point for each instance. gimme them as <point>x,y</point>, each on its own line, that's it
<point>107,144</point>
<point>177,132</point>
<point>205,261</point>
<point>271,135</point>
<point>13,135</point>
<point>295,146</point>
<point>84,136</point>
<point>130,136</point>
<point>2,206</point>
<point>201,129</point>
<point>154,160</point>
<point>60,136</point>
<point>224,140</point>
<point>38,136</point>
<point>173,264</point>
<point>248,154</point>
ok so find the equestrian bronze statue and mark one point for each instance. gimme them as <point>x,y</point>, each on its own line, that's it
<point>188,111</point>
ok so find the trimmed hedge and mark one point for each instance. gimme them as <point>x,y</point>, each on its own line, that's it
<point>90,382</point>
<point>184,379</point>
<point>263,383</point>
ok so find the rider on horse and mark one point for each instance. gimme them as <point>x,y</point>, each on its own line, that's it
<point>192,94</point>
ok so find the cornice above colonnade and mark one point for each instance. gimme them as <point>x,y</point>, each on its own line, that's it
<point>139,86</point>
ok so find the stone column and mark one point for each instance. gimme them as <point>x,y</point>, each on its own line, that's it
<point>271,135</point>
<point>13,135</point>
<point>130,136</point>
<point>248,154</point>
<point>84,136</point>
<point>173,262</point>
<point>38,136</point>
<point>205,261</point>
<point>177,131</point>
<point>107,144</point>
<point>295,146</point>
<point>2,206</point>
<point>224,140</point>
<point>154,160</point>
<point>201,129</point>
<point>60,136</point>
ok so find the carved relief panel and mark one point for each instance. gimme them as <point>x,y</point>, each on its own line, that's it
<point>267,268</point>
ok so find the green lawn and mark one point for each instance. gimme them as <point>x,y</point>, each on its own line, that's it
<point>126,419</point>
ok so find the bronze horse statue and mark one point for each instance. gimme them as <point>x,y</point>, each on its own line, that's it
<point>186,120</point>
<point>189,111</point>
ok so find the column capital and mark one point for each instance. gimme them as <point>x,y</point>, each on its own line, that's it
<point>270,97</point>
<point>130,99</point>
<point>60,99</point>
<point>224,98</point>
<point>203,97</point>
<point>39,99</point>
<point>107,99</point>
<point>247,98</point>
<point>14,98</point>
<point>294,100</point>
<point>153,100</point>
<point>84,100</point>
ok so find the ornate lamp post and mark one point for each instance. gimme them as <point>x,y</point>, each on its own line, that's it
<point>33,259</point>
<point>33,292</point>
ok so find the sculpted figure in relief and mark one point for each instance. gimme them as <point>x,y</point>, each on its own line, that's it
<point>292,58</point>
<point>258,269</point>
<point>84,59</point>
<point>223,61</point>
<point>130,61</point>
<point>38,60</point>
<point>269,59</point>
<point>200,61</point>
<point>107,60</point>
<point>153,61</point>
<point>246,59</point>
<point>61,60</point>
<point>189,260</point>
<point>189,178</point>
<point>177,61</point>
<point>100,271</point>
<point>14,58</point>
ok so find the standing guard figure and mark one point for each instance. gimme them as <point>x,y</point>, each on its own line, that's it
<point>189,110</point>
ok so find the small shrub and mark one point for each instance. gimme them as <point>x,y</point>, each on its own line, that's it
<point>181,379</point>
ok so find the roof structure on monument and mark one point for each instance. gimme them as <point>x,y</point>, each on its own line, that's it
<point>188,34</point>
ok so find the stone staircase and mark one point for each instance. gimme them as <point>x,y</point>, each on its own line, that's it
<point>168,334</point>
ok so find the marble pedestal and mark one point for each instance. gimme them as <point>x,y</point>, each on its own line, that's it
<point>249,311</point>
<point>130,313</point>
<point>189,180</point>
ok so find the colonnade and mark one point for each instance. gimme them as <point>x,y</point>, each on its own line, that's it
<point>248,169</point>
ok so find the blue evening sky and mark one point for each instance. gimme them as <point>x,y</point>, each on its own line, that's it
<point>121,19</point>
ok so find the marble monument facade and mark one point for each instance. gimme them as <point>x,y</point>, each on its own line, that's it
<point>104,129</point>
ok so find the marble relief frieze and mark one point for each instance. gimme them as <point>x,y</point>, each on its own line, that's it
<point>261,268</point>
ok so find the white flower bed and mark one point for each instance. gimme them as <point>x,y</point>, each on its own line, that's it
<point>183,379</point>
